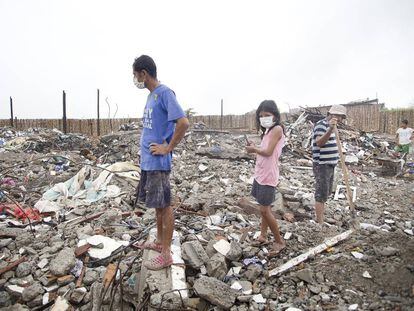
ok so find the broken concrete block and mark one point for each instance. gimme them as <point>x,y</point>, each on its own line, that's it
<point>194,253</point>
<point>386,251</point>
<point>222,246</point>
<point>235,251</point>
<point>217,266</point>
<point>32,292</point>
<point>23,269</point>
<point>305,275</point>
<point>252,272</point>
<point>215,291</point>
<point>63,262</point>
<point>77,295</point>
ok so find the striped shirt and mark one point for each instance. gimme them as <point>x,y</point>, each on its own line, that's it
<point>328,153</point>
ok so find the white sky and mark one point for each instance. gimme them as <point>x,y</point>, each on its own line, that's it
<point>296,52</point>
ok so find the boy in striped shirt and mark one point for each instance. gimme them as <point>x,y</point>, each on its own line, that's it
<point>325,157</point>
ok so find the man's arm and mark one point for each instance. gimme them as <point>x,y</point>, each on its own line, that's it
<point>322,140</point>
<point>180,129</point>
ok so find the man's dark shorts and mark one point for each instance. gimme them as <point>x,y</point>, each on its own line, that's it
<point>324,177</point>
<point>154,189</point>
<point>264,195</point>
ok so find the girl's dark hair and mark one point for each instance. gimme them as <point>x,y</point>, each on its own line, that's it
<point>271,107</point>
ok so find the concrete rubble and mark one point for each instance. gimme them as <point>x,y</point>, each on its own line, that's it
<point>77,251</point>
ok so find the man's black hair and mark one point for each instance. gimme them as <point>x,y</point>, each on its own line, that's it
<point>405,121</point>
<point>144,62</point>
<point>271,107</point>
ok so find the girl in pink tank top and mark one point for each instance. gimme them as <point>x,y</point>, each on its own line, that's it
<point>266,172</point>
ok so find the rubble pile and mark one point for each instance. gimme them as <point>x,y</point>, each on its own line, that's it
<point>68,228</point>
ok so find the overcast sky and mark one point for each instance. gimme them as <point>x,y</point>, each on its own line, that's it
<point>299,53</point>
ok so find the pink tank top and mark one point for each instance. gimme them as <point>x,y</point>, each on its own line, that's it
<point>266,171</point>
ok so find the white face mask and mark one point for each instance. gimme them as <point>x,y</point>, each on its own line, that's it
<point>266,122</point>
<point>140,85</point>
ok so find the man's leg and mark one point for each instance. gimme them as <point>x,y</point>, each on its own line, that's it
<point>321,189</point>
<point>159,225</point>
<point>319,211</point>
<point>167,230</point>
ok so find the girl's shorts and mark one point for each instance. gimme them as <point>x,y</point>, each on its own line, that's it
<point>264,195</point>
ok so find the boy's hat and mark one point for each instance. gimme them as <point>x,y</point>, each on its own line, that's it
<point>338,109</point>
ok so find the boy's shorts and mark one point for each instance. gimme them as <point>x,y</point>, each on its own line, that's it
<point>264,195</point>
<point>324,177</point>
<point>154,189</point>
<point>403,148</point>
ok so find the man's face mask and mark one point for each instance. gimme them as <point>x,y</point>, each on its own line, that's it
<point>266,122</point>
<point>140,85</point>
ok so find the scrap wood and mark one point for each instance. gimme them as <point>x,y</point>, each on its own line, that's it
<point>311,252</point>
<point>12,265</point>
<point>180,209</point>
<point>109,275</point>
<point>88,218</point>
<point>81,276</point>
<point>81,250</point>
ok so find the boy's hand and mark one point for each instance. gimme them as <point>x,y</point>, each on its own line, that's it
<point>159,149</point>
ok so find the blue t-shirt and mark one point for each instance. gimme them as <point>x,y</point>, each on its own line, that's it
<point>160,113</point>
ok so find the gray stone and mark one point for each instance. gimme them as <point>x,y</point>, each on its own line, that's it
<point>210,250</point>
<point>84,232</point>
<point>77,295</point>
<point>235,251</point>
<point>253,271</point>
<point>194,253</point>
<point>15,307</point>
<point>63,262</point>
<point>314,289</point>
<point>217,266</point>
<point>386,251</point>
<point>305,275</point>
<point>24,269</point>
<point>5,242</point>
<point>90,276</point>
<point>5,300</point>
<point>325,297</point>
<point>38,301</point>
<point>32,292</point>
<point>215,291</point>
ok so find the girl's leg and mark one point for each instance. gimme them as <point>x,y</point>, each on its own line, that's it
<point>272,223</point>
<point>263,228</point>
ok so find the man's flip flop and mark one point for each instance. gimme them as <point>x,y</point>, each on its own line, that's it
<point>149,245</point>
<point>158,263</point>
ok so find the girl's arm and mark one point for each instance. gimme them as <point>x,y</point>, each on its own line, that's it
<point>275,136</point>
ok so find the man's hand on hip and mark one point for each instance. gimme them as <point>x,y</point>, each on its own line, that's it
<point>159,149</point>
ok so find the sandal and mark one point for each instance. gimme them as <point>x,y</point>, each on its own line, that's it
<point>277,248</point>
<point>149,245</point>
<point>158,263</point>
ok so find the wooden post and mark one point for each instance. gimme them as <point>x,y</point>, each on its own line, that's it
<point>11,112</point>
<point>221,119</point>
<point>64,113</point>
<point>97,107</point>
<point>344,171</point>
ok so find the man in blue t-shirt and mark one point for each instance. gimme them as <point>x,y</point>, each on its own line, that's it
<point>165,124</point>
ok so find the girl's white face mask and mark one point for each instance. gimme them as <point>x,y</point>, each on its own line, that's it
<point>140,85</point>
<point>266,122</point>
